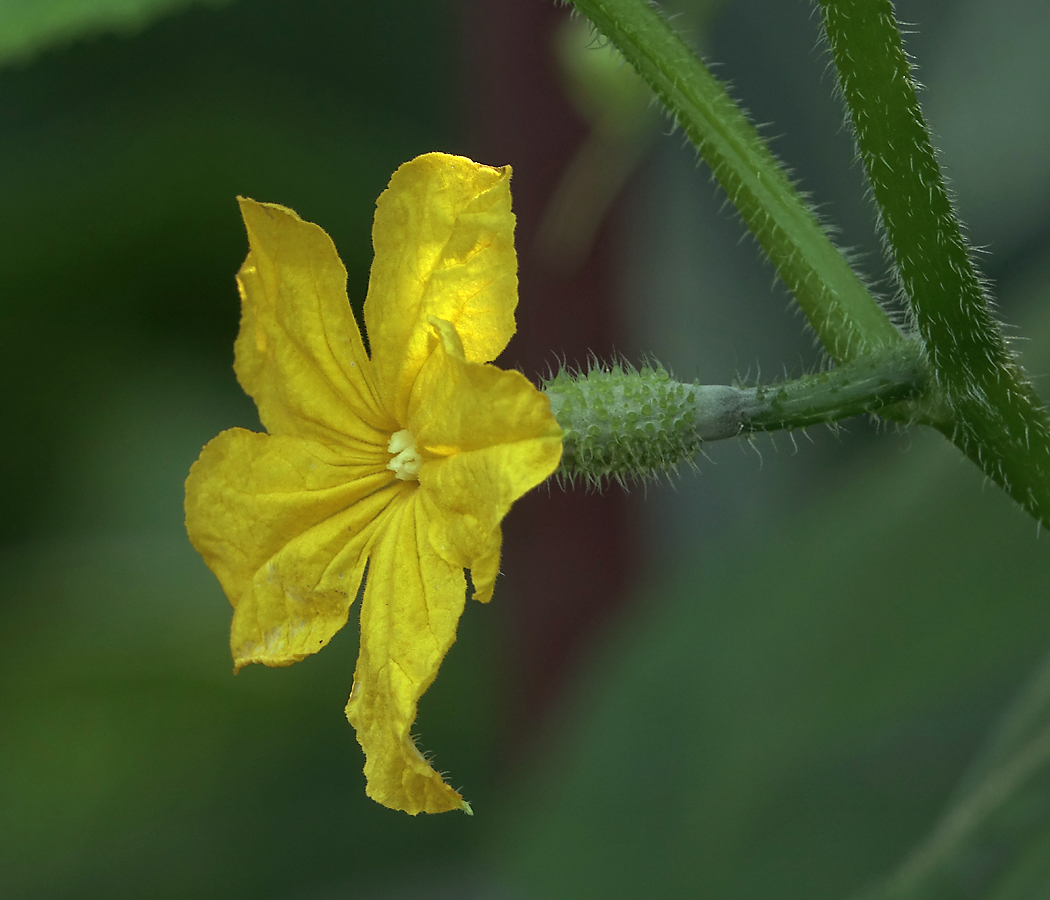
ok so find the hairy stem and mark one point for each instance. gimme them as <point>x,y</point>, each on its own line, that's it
<point>841,310</point>
<point>624,423</point>
<point>995,416</point>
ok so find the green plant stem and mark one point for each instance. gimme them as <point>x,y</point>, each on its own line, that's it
<point>632,424</point>
<point>839,307</point>
<point>995,416</point>
<point>865,385</point>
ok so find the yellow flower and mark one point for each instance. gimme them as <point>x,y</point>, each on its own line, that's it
<point>405,458</point>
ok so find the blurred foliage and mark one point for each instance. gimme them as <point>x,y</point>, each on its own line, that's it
<point>606,92</point>
<point>829,638</point>
<point>131,761</point>
<point>993,118</point>
<point>119,163</point>
<point>784,714</point>
<point>26,26</point>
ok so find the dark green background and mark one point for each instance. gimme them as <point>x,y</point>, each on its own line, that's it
<point>820,639</point>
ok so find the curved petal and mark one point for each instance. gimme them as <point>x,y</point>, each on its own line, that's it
<point>299,353</point>
<point>444,246</point>
<point>484,569</point>
<point>489,436</point>
<point>285,527</point>
<point>412,604</point>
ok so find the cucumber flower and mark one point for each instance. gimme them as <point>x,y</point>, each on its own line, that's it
<point>403,459</point>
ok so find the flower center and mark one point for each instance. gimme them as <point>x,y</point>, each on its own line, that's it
<point>406,462</point>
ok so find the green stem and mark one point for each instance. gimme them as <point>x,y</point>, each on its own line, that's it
<point>632,424</point>
<point>845,316</point>
<point>995,416</point>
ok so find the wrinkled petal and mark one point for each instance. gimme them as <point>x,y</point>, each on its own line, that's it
<point>285,525</point>
<point>489,435</point>
<point>444,246</point>
<point>484,569</point>
<point>299,353</point>
<point>412,603</point>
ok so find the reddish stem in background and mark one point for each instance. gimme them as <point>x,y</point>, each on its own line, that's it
<point>570,557</point>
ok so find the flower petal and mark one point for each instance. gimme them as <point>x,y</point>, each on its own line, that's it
<point>483,570</point>
<point>285,525</point>
<point>412,604</point>
<point>444,246</point>
<point>299,352</point>
<point>489,436</point>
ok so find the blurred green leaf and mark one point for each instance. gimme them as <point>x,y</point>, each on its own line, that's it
<point>28,26</point>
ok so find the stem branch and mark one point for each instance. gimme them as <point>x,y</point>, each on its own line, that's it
<point>995,416</point>
<point>624,423</point>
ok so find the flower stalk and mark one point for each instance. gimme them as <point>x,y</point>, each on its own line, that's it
<point>624,423</point>
<point>996,419</point>
<point>839,307</point>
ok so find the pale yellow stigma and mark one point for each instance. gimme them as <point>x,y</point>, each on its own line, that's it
<point>406,462</point>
